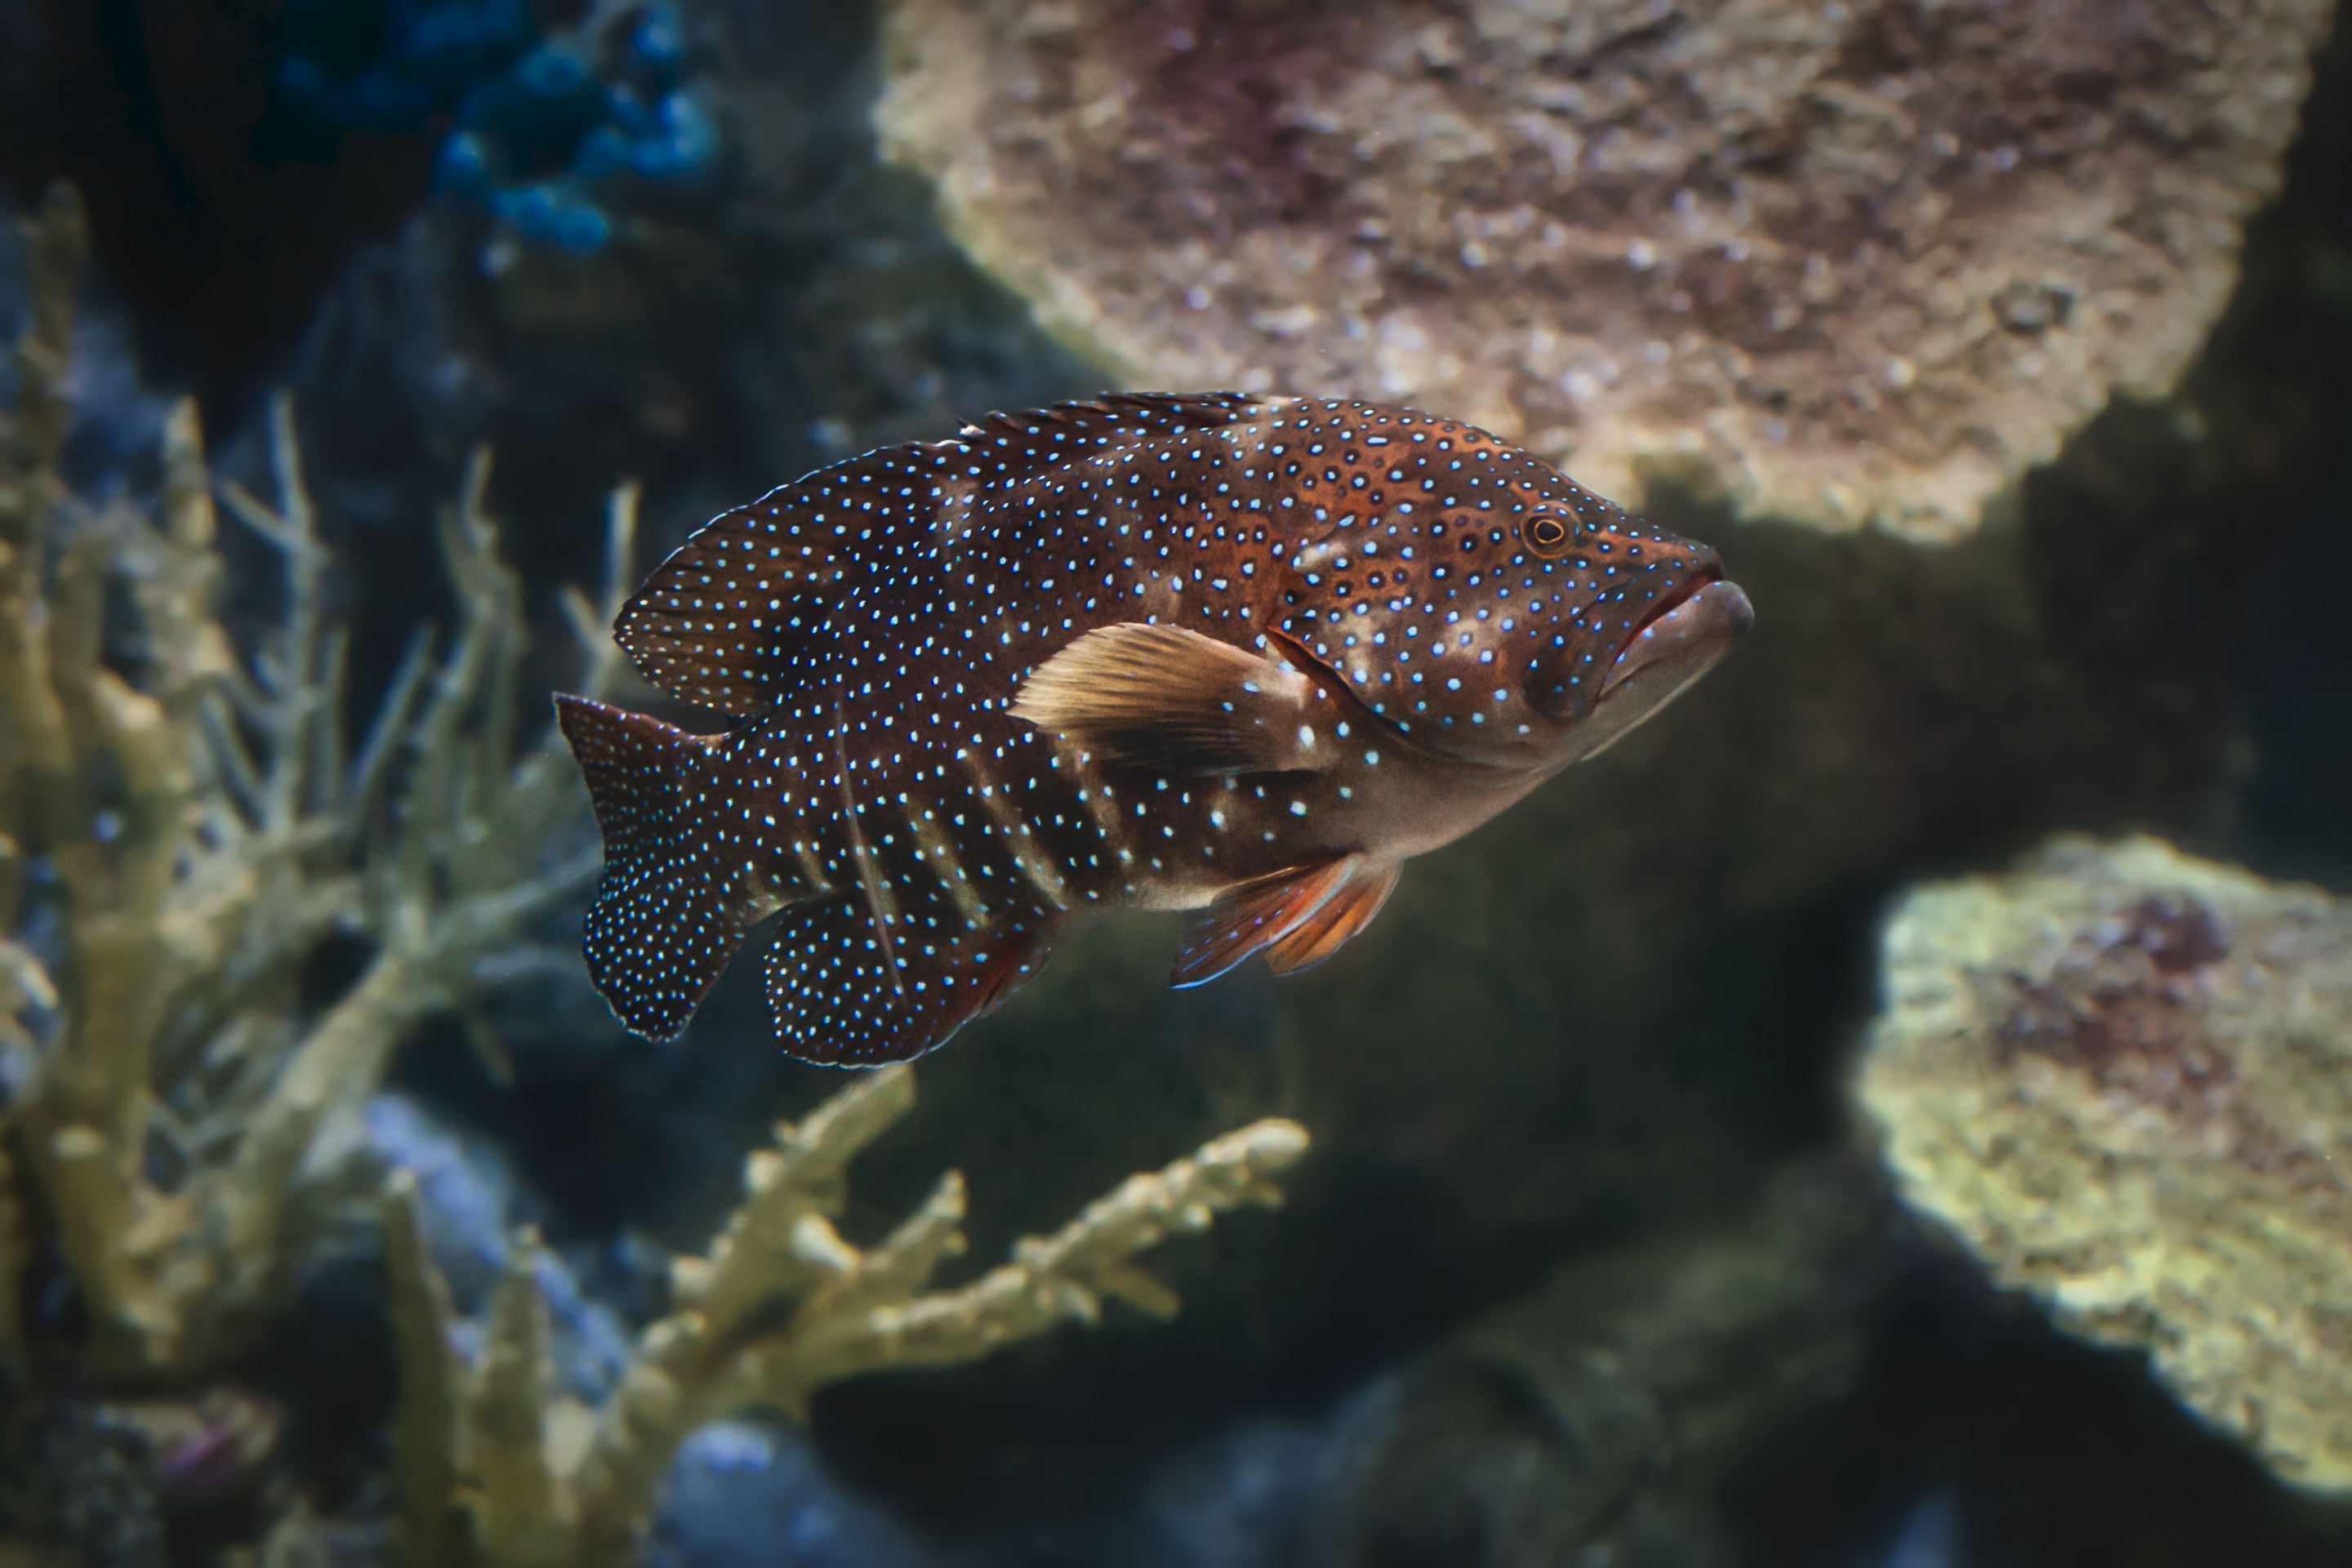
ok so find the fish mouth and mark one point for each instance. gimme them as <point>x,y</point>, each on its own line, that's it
<point>1677,643</point>
<point>1683,635</point>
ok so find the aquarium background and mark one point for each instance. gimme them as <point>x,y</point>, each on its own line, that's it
<point>1594,1259</point>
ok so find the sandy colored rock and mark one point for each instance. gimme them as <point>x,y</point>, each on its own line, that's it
<point>1848,263</point>
<point>2123,1078</point>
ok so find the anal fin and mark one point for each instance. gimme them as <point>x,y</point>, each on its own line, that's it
<point>842,996</point>
<point>1297,920</point>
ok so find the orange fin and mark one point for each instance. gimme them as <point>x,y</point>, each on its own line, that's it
<point>1347,912</point>
<point>1299,918</point>
<point>1165,697</point>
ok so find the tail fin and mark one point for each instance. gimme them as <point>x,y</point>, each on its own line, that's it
<point>664,923</point>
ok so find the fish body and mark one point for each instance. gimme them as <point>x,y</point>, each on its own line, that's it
<point>1244,655</point>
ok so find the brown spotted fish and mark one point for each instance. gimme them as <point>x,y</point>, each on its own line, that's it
<point>1241,655</point>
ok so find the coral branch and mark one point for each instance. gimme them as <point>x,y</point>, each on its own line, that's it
<point>780,1305</point>
<point>424,1424</point>
<point>208,826</point>
<point>1050,1280</point>
<point>520,1509</point>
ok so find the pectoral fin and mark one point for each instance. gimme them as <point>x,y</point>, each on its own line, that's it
<point>1165,697</point>
<point>1297,920</point>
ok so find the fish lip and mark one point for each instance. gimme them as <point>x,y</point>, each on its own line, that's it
<point>1705,577</point>
<point>1727,614</point>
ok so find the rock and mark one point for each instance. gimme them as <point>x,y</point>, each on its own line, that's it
<point>1595,1419</point>
<point>750,1494</point>
<point>1608,1416</point>
<point>98,1489</point>
<point>1846,264</point>
<point>1240,1501</point>
<point>472,1206</point>
<point>2124,1078</point>
<point>1929,1537</point>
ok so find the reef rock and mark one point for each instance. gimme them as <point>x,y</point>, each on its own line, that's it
<point>1598,1419</point>
<point>2124,1078</point>
<point>1850,263</point>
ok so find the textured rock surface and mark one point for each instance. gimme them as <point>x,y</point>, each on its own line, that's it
<point>2123,1078</point>
<point>1849,263</point>
<point>1593,1420</point>
<point>1611,1414</point>
<point>748,1494</point>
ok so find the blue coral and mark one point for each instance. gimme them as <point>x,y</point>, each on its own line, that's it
<point>545,131</point>
<point>535,144</point>
<point>393,66</point>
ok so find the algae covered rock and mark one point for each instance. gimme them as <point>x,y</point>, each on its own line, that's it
<point>1852,263</point>
<point>2123,1078</point>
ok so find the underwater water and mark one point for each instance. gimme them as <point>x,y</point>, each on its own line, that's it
<point>1818,1131</point>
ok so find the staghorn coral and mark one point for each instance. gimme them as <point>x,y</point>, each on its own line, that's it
<point>496,1470</point>
<point>1849,264</point>
<point>2119,1074</point>
<point>201,829</point>
<point>182,833</point>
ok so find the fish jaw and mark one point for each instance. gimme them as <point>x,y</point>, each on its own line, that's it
<point>1662,660</point>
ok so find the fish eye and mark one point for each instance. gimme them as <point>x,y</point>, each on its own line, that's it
<point>1547,535</point>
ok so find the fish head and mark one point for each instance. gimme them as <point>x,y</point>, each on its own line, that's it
<point>1496,612</point>
<point>1617,649</point>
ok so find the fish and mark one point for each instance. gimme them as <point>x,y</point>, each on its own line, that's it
<point>1235,654</point>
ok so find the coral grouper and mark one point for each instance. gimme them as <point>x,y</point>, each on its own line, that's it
<point>1243,654</point>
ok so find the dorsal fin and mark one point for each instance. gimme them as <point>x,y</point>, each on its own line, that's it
<point>732,619</point>
<point>1045,436</point>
